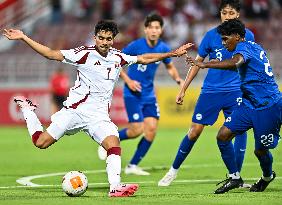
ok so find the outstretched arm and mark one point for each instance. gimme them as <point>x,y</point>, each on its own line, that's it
<point>235,62</point>
<point>13,34</point>
<point>192,72</point>
<point>154,57</point>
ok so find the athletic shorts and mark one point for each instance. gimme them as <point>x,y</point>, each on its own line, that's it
<point>209,106</point>
<point>138,110</point>
<point>265,123</point>
<point>71,121</point>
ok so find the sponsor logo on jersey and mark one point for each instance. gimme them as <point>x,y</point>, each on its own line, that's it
<point>97,63</point>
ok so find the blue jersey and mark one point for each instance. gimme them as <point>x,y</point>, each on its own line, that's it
<point>259,88</point>
<point>219,80</point>
<point>144,74</point>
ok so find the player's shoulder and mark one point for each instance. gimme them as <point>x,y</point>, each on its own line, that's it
<point>213,31</point>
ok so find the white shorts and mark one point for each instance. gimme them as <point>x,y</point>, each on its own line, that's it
<point>71,121</point>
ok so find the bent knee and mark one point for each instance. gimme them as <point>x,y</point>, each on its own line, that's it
<point>195,132</point>
<point>135,131</point>
<point>260,153</point>
<point>44,141</point>
<point>224,134</point>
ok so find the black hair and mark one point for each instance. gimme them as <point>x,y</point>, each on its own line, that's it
<point>106,25</point>
<point>153,17</point>
<point>232,3</point>
<point>232,26</point>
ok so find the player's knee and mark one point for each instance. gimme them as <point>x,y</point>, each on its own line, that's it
<point>135,131</point>
<point>43,141</point>
<point>41,144</point>
<point>194,133</point>
<point>224,134</point>
<point>260,153</point>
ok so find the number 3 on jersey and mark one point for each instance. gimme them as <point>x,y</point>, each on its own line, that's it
<point>266,65</point>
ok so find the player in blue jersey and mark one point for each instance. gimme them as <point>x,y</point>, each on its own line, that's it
<point>220,92</point>
<point>139,95</point>
<point>261,108</point>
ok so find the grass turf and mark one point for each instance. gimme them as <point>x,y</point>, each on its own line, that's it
<point>194,185</point>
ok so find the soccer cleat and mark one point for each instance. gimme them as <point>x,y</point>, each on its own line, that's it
<point>23,102</point>
<point>124,190</point>
<point>134,169</point>
<point>167,179</point>
<point>229,184</point>
<point>261,184</point>
<point>102,153</point>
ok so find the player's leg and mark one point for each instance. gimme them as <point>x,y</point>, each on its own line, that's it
<point>135,127</point>
<point>267,125</point>
<point>204,114</point>
<point>151,114</point>
<point>184,149</point>
<point>231,101</point>
<point>135,116</point>
<point>105,133</point>
<point>239,122</point>
<point>39,138</point>
<point>150,129</point>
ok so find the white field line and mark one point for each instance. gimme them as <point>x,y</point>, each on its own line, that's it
<point>25,182</point>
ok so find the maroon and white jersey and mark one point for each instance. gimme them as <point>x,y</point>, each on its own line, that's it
<point>96,75</point>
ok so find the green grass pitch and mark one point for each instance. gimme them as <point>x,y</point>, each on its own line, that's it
<point>194,185</point>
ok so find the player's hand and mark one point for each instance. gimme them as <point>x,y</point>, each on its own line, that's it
<point>179,98</point>
<point>135,86</point>
<point>13,34</point>
<point>182,49</point>
<point>192,62</point>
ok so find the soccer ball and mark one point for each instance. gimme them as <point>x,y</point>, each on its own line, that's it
<point>74,183</point>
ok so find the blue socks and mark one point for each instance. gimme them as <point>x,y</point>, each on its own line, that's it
<point>141,151</point>
<point>122,134</point>
<point>183,151</point>
<point>266,164</point>
<point>240,144</point>
<point>228,155</point>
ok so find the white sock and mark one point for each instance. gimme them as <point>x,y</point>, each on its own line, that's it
<point>113,170</point>
<point>32,122</point>
<point>173,171</point>
<point>267,178</point>
<point>235,175</point>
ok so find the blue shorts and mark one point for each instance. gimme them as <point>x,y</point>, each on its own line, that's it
<point>138,110</point>
<point>265,123</point>
<point>209,106</point>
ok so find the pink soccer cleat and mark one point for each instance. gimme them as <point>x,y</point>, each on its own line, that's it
<point>123,190</point>
<point>23,102</point>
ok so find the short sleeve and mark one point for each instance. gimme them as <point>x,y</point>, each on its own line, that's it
<point>166,49</point>
<point>74,56</point>
<point>249,36</point>
<point>126,60</point>
<point>242,49</point>
<point>130,49</point>
<point>204,47</point>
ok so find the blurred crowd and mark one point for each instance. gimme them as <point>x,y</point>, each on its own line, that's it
<point>190,18</point>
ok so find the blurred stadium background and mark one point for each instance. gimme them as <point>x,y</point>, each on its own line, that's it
<point>69,23</point>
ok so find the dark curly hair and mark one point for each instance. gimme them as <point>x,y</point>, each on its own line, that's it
<point>232,3</point>
<point>232,26</point>
<point>153,17</point>
<point>106,25</point>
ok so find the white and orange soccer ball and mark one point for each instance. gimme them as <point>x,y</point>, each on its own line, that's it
<point>74,183</point>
